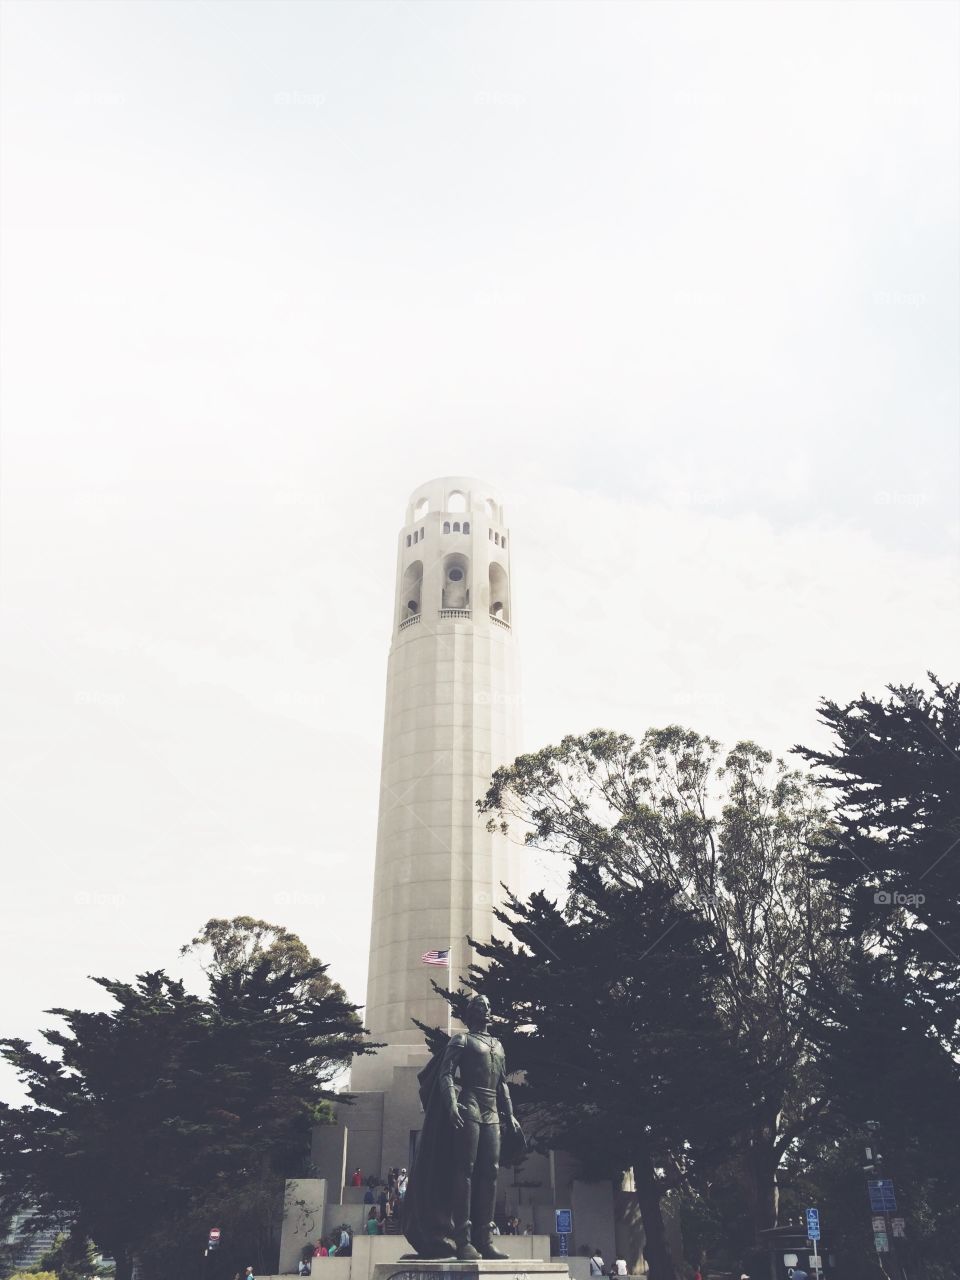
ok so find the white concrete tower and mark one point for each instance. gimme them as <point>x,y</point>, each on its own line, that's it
<point>452,717</point>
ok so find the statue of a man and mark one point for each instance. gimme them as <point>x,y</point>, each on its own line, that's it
<point>452,1192</point>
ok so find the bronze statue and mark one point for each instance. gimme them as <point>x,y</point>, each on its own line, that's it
<point>448,1208</point>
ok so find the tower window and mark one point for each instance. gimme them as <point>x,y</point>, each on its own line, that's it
<point>421,509</point>
<point>412,589</point>
<point>499,593</point>
<point>496,538</point>
<point>490,534</point>
<point>446,526</point>
<point>409,539</point>
<point>456,573</point>
<point>416,535</point>
<point>456,526</point>
<point>503,541</point>
<point>466,526</point>
<point>456,501</point>
<point>422,534</point>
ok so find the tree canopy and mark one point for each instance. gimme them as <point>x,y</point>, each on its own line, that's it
<point>735,835</point>
<point>144,1111</point>
<point>894,854</point>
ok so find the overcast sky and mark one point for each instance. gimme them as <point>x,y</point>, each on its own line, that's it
<point>681,280</point>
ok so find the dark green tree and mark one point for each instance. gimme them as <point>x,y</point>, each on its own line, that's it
<point>891,1030</point>
<point>610,1013</point>
<point>170,1100</point>
<point>736,835</point>
<point>894,768</point>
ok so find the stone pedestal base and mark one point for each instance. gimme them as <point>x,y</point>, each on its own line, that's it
<point>449,1269</point>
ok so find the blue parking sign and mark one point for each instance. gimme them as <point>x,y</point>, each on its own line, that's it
<point>813,1224</point>
<point>564,1219</point>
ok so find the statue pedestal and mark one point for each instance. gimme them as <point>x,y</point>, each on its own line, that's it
<point>450,1269</point>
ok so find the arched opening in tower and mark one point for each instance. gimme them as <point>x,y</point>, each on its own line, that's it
<point>499,593</point>
<point>411,590</point>
<point>456,582</point>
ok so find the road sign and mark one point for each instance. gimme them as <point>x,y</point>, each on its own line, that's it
<point>813,1224</point>
<point>881,1242</point>
<point>564,1220</point>
<point>883,1198</point>
<point>564,1245</point>
<point>213,1240</point>
<point>899,1227</point>
<point>879,1224</point>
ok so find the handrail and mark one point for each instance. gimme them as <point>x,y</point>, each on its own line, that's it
<point>408,622</point>
<point>456,613</point>
<point>500,622</point>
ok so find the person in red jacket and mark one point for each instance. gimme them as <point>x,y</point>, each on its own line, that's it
<point>357,1179</point>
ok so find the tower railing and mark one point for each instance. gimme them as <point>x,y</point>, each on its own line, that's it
<point>501,622</point>
<point>408,622</point>
<point>456,613</point>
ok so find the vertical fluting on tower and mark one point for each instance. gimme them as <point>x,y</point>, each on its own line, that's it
<point>452,716</point>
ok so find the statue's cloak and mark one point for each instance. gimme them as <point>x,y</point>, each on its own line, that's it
<point>426,1213</point>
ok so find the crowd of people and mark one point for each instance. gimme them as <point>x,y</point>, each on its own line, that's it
<point>513,1228</point>
<point>382,1200</point>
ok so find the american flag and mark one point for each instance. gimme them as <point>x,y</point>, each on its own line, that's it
<point>441,958</point>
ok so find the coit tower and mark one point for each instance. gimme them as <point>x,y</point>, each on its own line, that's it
<point>452,717</point>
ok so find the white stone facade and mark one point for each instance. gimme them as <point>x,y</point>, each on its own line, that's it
<point>452,716</point>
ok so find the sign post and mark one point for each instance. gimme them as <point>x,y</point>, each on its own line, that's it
<point>813,1235</point>
<point>564,1228</point>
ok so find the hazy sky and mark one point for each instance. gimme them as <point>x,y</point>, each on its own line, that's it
<point>680,279</point>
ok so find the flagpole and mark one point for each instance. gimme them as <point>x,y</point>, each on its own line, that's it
<point>449,1005</point>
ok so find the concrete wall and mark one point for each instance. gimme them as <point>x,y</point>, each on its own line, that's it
<point>328,1155</point>
<point>402,1114</point>
<point>304,1203</point>
<point>593,1220</point>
